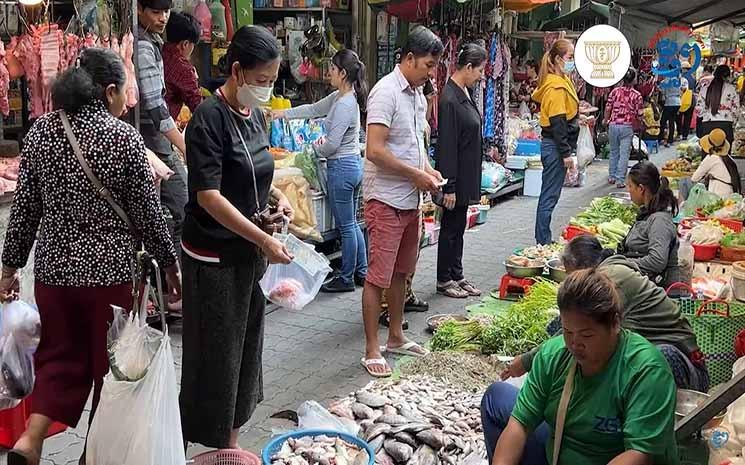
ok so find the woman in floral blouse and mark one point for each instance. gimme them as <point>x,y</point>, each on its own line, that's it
<point>84,250</point>
<point>622,115</point>
<point>718,104</point>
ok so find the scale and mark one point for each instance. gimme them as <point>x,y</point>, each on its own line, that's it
<point>719,400</point>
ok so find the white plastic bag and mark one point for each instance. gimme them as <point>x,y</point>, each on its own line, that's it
<point>524,111</point>
<point>296,284</point>
<point>139,422</point>
<point>585,147</point>
<point>312,415</point>
<point>19,338</point>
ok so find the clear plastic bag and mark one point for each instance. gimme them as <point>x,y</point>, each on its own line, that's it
<point>312,415</point>
<point>698,197</point>
<point>585,146</point>
<point>19,338</point>
<point>296,284</point>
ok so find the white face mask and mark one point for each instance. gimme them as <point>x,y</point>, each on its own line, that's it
<point>250,96</point>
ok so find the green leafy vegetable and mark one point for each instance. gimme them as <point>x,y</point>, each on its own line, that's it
<point>603,210</point>
<point>734,240</point>
<point>462,336</point>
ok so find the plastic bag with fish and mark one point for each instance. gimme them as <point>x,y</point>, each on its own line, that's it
<point>312,415</point>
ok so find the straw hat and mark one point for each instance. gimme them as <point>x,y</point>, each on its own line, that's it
<point>715,143</point>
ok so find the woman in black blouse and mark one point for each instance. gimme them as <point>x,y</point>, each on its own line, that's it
<point>225,252</point>
<point>459,151</point>
<point>84,249</point>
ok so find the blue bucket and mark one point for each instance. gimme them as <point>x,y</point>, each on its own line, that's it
<point>276,444</point>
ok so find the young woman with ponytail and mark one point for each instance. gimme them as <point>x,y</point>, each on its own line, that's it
<point>342,149</point>
<point>459,153</point>
<point>560,127</point>
<point>718,104</point>
<point>652,244</point>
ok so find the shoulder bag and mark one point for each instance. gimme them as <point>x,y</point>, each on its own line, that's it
<point>101,190</point>
<point>561,413</point>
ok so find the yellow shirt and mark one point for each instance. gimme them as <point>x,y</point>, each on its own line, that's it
<point>652,125</point>
<point>557,96</point>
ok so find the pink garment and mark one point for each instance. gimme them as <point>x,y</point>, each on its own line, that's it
<point>625,104</point>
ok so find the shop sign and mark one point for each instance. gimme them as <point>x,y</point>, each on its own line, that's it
<point>669,53</point>
<point>602,55</point>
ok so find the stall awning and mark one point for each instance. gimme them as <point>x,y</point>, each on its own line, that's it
<point>696,12</point>
<point>523,6</point>
<point>590,12</point>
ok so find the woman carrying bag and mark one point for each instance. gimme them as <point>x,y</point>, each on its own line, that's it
<point>718,104</point>
<point>459,152</point>
<point>598,394</point>
<point>87,237</point>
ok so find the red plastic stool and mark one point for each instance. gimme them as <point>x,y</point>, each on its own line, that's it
<point>13,424</point>
<point>510,284</point>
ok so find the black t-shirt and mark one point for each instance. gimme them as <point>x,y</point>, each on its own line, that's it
<point>216,159</point>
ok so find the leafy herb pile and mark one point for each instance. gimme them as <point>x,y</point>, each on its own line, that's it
<point>734,240</point>
<point>523,325</point>
<point>462,336</point>
<point>604,210</point>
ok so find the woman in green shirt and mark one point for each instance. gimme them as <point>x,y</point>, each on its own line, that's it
<point>621,406</point>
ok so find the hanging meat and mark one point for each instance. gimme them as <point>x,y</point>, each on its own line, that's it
<point>50,64</point>
<point>4,82</point>
<point>127,53</point>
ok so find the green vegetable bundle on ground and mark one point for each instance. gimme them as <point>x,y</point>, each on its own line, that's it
<point>612,233</point>
<point>603,210</point>
<point>523,325</point>
<point>461,336</point>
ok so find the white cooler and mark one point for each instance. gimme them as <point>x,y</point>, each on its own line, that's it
<point>533,181</point>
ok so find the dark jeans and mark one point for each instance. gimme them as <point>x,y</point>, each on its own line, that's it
<point>667,123</point>
<point>344,182</point>
<point>726,126</point>
<point>496,409</point>
<point>450,246</point>
<point>699,127</point>
<point>173,197</point>
<point>684,122</point>
<point>552,182</point>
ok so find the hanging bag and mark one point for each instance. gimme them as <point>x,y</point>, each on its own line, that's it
<point>561,413</point>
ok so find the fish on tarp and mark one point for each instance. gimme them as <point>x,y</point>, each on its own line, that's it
<point>376,430</point>
<point>362,411</point>
<point>371,399</point>
<point>393,420</point>
<point>398,451</point>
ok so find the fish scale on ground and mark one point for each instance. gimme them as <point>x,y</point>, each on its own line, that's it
<point>418,421</point>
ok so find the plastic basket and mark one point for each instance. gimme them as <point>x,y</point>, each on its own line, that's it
<point>734,225</point>
<point>716,323</point>
<point>226,457</point>
<point>573,231</point>
<point>733,254</point>
<point>704,253</point>
<point>276,443</point>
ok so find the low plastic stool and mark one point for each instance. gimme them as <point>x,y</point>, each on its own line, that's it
<point>511,285</point>
<point>653,144</point>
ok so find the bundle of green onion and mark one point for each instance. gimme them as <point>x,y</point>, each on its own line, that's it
<point>461,336</point>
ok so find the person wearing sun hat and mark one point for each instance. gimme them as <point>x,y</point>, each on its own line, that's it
<point>718,167</point>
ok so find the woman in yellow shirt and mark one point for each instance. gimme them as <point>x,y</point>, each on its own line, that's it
<point>651,119</point>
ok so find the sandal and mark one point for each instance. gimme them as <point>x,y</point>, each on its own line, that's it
<point>410,348</point>
<point>385,320</point>
<point>415,304</point>
<point>368,363</point>
<point>472,290</point>
<point>452,290</point>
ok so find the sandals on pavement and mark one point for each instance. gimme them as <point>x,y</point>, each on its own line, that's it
<point>411,348</point>
<point>415,304</point>
<point>472,290</point>
<point>369,363</point>
<point>452,290</point>
<point>385,320</point>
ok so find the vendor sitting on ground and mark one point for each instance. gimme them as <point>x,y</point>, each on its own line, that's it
<point>621,394</point>
<point>720,169</point>
<point>647,310</point>
<point>652,244</point>
<point>651,118</point>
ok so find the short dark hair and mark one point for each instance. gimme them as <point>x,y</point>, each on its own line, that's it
<point>421,43</point>
<point>584,251</point>
<point>181,27</point>
<point>82,85</point>
<point>645,173</point>
<point>592,293</point>
<point>471,54</point>
<point>630,76</point>
<point>252,46</point>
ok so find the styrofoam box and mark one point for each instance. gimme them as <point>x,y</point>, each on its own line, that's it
<point>533,182</point>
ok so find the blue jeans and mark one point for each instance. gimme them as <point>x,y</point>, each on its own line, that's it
<point>496,409</point>
<point>344,183</point>
<point>552,182</point>
<point>620,136</point>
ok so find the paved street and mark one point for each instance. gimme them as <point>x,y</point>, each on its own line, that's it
<point>315,353</point>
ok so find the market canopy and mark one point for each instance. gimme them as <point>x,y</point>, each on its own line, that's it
<point>696,12</point>
<point>591,13</point>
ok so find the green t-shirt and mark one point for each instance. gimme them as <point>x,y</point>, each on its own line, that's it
<point>629,406</point>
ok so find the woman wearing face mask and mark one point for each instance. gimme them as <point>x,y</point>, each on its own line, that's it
<point>718,104</point>
<point>342,150</point>
<point>84,248</point>
<point>459,153</point>
<point>620,403</point>
<point>560,126</point>
<point>225,249</point>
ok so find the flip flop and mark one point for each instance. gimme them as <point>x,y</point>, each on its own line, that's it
<point>406,350</point>
<point>366,363</point>
<point>452,289</point>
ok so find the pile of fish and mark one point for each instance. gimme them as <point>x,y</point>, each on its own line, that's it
<point>319,450</point>
<point>417,421</point>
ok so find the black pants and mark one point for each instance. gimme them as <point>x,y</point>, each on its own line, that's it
<point>450,246</point>
<point>684,122</point>
<point>726,126</point>
<point>173,197</point>
<point>667,123</point>
<point>699,127</point>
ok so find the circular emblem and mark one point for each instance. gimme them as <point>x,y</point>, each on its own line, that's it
<point>602,55</point>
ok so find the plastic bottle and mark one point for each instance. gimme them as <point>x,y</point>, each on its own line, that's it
<point>203,15</point>
<point>219,25</point>
<point>228,19</point>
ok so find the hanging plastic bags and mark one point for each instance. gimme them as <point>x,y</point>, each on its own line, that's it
<point>698,197</point>
<point>585,147</point>
<point>21,332</point>
<point>296,284</point>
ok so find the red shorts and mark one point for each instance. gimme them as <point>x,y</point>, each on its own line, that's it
<point>393,238</point>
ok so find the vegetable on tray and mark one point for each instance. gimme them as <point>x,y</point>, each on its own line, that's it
<point>734,240</point>
<point>706,234</point>
<point>603,210</point>
<point>612,233</point>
